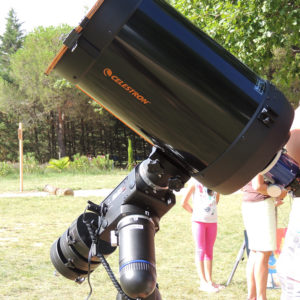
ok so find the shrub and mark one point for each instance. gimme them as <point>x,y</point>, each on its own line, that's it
<point>130,163</point>
<point>6,168</point>
<point>102,162</point>
<point>59,164</point>
<point>80,163</point>
<point>30,164</point>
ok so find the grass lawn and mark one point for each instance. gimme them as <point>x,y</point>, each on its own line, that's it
<point>29,226</point>
<point>33,182</point>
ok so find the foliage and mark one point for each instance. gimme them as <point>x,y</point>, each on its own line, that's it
<point>253,31</point>
<point>36,96</point>
<point>80,163</point>
<point>58,119</point>
<point>10,42</point>
<point>8,138</point>
<point>87,164</point>
<point>30,164</point>
<point>102,162</point>
<point>130,156</point>
<point>59,164</point>
<point>6,168</point>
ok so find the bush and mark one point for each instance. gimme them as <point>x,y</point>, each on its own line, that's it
<point>80,163</point>
<point>102,162</point>
<point>30,164</point>
<point>130,164</point>
<point>59,164</point>
<point>6,168</point>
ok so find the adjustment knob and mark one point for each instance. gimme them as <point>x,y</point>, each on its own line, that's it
<point>175,184</point>
<point>154,167</point>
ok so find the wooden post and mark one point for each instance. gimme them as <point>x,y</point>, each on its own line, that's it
<point>20,136</point>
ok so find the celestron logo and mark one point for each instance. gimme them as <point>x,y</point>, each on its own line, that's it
<point>108,73</point>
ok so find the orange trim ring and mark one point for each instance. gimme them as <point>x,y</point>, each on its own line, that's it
<point>98,102</point>
<point>94,8</point>
<point>56,59</point>
<point>78,29</point>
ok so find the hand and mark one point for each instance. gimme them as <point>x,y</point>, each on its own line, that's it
<point>283,194</point>
<point>278,202</point>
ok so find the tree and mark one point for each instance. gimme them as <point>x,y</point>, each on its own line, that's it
<point>10,42</point>
<point>265,35</point>
<point>8,138</point>
<point>41,94</point>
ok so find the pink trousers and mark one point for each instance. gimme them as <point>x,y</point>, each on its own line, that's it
<point>205,236</point>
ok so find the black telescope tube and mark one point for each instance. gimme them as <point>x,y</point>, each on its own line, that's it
<point>179,89</point>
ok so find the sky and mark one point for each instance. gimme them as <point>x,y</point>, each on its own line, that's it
<point>34,13</point>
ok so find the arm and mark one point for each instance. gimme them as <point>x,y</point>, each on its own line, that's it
<point>185,200</point>
<point>217,198</point>
<point>260,186</point>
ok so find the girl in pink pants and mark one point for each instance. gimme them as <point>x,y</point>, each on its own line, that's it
<point>204,228</point>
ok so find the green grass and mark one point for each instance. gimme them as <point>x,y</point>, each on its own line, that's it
<point>29,226</point>
<point>34,182</point>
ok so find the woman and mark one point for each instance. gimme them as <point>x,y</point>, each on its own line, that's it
<point>259,217</point>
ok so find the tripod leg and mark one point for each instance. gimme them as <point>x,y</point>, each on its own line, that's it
<point>239,257</point>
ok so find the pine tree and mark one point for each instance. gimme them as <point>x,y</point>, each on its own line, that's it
<point>10,42</point>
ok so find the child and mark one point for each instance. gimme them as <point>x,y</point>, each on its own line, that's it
<point>204,228</point>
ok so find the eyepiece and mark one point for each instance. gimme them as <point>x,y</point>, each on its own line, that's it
<point>137,256</point>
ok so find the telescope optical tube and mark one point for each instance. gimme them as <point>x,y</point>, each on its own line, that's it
<point>178,89</point>
<point>137,256</point>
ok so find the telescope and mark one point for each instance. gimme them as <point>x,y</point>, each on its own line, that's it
<point>206,114</point>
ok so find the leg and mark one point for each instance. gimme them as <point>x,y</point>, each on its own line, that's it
<point>199,237</point>
<point>260,223</point>
<point>211,234</point>
<point>261,273</point>
<point>208,270</point>
<point>250,276</point>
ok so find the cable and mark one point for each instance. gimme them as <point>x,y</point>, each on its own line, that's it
<point>89,273</point>
<point>93,252</point>
<point>112,276</point>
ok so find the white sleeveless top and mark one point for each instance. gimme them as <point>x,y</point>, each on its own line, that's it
<point>204,204</point>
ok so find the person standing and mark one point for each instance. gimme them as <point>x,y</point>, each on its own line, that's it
<point>258,210</point>
<point>204,229</point>
<point>288,264</point>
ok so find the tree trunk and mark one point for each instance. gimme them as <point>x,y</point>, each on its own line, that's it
<point>37,146</point>
<point>60,134</point>
<point>53,138</point>
<point>82,138</point>
<point>73,134</point>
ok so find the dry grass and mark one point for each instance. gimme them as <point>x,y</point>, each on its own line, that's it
<point>29,226</point>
